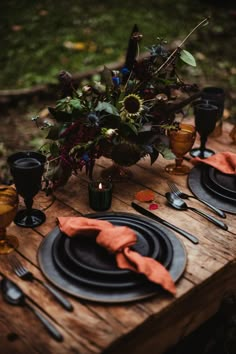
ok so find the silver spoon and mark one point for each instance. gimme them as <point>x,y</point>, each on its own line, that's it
<point>13,294</point>
<point>179,204</point>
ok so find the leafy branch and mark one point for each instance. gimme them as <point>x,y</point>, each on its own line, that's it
<point>178,49</point>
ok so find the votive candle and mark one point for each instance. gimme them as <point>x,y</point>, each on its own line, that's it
<point>100,195</point>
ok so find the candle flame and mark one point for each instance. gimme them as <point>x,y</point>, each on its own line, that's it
<point>100,186</point>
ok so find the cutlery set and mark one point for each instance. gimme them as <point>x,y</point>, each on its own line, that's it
<point>175,199</point>
<point>14,295</point>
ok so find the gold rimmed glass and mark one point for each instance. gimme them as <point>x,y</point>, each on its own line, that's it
<point>181,142</point>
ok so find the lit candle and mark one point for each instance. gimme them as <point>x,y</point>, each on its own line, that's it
<point>100,195</point>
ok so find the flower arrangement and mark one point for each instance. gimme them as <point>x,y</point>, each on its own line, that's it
<point>124,116</point>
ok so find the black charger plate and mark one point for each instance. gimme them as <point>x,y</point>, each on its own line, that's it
<point>140,289</point>
<point>197,187</point>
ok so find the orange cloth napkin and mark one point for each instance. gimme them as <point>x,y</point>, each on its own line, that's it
<point>223,161</point>
<point>118,240</point>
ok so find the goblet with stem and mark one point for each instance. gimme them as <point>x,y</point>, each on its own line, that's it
<point>27,169</point>
<point>8,210</point>
<point>215,96</point>
<point>181,141</point>
<point>205,120</point>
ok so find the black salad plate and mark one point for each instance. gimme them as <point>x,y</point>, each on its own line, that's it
<point>86,253</point>
<point>212,187</point>
<point>198,182</point>
<point>97,277</point>
<point>226,183</point>
<point>84,260</point>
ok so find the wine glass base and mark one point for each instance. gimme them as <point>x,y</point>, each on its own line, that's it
<point>172,169</point>
<point>202,154</point>
<point>8,244</point>
<point>23,219</point>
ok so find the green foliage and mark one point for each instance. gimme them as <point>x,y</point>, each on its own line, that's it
<point>187,57</point>
<point>40,39</point>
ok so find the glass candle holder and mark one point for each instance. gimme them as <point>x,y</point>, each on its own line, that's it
<point>100,195</point>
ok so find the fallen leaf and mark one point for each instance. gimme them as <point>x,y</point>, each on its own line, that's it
<point>75,45</point>
<point>43,12</point>
<point>16,28</point>
<point>145,195</point>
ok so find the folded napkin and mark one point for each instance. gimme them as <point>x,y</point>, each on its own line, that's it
<point>223,161</point>
<point>118,240</point>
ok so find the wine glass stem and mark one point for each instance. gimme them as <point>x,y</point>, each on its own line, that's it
<point>203,140</point>
<point>28,204</point>
<point>178,161</point>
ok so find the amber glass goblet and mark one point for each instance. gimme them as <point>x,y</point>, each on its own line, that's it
<point>181,141</point>
<point>8,209</point>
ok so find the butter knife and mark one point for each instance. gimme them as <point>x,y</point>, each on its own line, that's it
<point>147,213</point>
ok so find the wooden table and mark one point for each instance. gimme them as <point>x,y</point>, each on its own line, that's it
<point>149,326</point>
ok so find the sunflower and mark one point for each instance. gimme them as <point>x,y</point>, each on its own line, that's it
<point>132,105</point>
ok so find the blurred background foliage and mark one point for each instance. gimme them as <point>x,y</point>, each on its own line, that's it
<point>40,38</point>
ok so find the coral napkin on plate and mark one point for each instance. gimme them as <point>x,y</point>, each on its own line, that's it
<point>118,240</point>
<point>222,161</point>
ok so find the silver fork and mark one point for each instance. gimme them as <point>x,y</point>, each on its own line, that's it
<point>183,195</point>
<point>23,273</point>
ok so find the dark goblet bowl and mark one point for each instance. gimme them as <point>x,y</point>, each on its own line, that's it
<point>27,169</point>
<point>216,96</point>
<point>205,118</point>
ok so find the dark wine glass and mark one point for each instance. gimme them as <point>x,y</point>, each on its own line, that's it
<point>216,96</point>
<point>27,169</point>
<point>205,121</point>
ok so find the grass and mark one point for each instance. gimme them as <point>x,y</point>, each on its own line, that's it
<point>42,38</point>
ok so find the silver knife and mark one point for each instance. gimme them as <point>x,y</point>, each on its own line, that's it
<point>147,213</point>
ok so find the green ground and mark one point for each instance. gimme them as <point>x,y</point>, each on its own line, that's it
<point>39,38</point>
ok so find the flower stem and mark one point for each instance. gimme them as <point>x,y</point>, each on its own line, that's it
<point>171,56</point>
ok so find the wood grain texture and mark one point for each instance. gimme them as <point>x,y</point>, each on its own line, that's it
<point>149,326</point>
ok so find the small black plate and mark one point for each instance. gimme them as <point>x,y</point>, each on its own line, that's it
<point>92,257</point>
<point>224,182</point>
<point>198,188</point>
<point>79,274</point>
<point>212,187</point>
<point>86,253</point>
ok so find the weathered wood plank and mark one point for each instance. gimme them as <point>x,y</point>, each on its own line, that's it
<point>151,325</point>
<point>165,329</point>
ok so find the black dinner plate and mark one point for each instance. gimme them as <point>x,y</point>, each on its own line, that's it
<point>225,183</point>
<point>86,277</point>
<point>86,253</point>
<point>214,188</point>
<point>141,290</point>
<point>96,266</point>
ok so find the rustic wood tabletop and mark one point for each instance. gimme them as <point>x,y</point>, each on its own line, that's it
<point>150,325</point>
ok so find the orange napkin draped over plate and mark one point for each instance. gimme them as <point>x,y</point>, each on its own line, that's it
<point>222,161</point>
<point>118,240</point>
